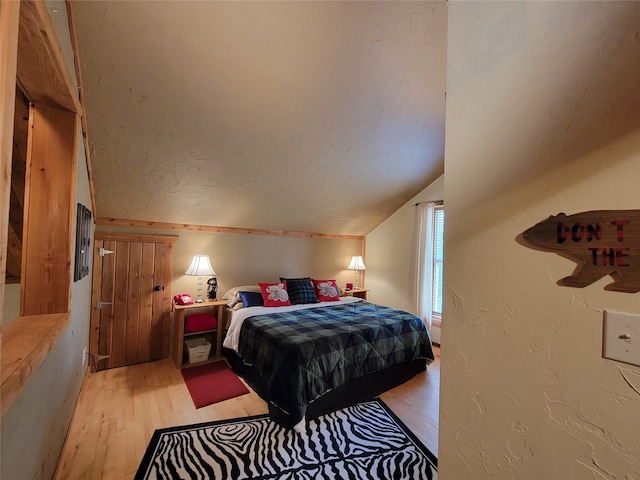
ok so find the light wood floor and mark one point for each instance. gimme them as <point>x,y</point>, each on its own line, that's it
<point>119,410</point>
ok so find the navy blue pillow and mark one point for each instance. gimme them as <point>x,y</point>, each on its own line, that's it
<point>251,299</point>
<point>300,290</point>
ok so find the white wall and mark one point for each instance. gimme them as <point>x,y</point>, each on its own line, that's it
<point>543,102</point>
<point>390,255</point>
<point>240,259</point>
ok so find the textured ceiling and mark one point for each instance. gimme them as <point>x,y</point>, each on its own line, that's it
<point>304,116</point>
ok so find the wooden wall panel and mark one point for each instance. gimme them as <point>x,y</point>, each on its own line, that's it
<point>145,303</point>
<point>50,188</point>
<point>120,290</point>
<point>133,303</point>
<point>9,19</point>
<point>161,320</point>
<point>16,203</point>
<point>104,281</point>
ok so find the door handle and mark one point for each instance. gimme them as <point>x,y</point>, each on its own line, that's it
<point>157,288</point>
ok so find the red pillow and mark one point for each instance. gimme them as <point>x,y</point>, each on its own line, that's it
<point>275,294</point>
<point>199,322</point>
<point>326,290</point>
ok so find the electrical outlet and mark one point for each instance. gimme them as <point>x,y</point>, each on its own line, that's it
<point>621,340</point>
<point>84,355</point>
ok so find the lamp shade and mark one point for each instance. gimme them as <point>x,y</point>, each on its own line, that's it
<point>356,263</point>
<point>200,265</point>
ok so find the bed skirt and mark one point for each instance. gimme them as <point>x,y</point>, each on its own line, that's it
<point>359,390</point>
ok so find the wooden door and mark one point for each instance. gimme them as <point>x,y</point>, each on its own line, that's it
<point>131,299</point>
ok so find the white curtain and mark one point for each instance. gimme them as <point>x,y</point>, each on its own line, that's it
<point>424,261</point>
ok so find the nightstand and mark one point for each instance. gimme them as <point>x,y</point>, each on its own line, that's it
<point>357,292</point>
<point>178,331</point>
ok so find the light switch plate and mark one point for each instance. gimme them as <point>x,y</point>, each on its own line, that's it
<point>621,340</point>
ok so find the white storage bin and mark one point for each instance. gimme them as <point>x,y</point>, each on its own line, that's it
<point>198,348</point>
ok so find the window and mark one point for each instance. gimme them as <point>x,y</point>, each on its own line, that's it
<point>438,256</point>
<point>429,256</point>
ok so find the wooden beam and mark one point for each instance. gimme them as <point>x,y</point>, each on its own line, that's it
<point>83,118</point>
<point>42,72</point>
<point>120,222</point>
<point>134,237</point>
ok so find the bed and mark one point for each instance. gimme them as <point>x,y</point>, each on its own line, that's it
<point>308,359</point>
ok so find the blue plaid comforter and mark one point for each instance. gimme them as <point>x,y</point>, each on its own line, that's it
<point>306,353</point>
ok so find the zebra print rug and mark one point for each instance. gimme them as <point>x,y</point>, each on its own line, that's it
<point>365,441</point>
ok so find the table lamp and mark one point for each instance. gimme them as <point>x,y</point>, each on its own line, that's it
<point>200,265</point>
<point>356,264</point>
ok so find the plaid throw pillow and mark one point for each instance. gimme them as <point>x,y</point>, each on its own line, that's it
<point>300,290</point>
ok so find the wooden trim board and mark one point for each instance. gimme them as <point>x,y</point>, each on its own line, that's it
<point>120,222</point>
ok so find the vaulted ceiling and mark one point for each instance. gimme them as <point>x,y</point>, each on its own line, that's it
<point>300,116</point>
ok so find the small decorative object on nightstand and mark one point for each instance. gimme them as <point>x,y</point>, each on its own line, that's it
<point>212,289</point>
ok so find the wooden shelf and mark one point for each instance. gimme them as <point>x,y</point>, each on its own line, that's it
<point>177,341</point>
<point>202,332</point>
<point>356,292</point>
<point>25,343</point>
<point>210,336</point>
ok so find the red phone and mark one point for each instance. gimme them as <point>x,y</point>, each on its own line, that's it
<point>182,299</point>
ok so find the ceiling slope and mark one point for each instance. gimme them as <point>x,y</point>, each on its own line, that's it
<point>299,116</point>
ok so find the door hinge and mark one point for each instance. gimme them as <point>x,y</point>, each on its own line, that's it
<point>104,251</point>
<point>101,304</point>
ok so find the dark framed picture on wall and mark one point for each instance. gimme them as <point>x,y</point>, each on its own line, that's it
<point>83,242</point>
